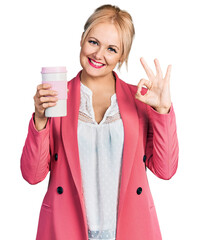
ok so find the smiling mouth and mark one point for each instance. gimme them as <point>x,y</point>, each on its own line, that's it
<point>95,64</point>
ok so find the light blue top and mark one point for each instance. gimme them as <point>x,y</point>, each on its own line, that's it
<point>100,150</point>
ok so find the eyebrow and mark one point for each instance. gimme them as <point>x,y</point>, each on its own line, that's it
<point>109,45</point>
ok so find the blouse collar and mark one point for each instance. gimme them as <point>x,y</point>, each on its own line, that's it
<point>86,103</point>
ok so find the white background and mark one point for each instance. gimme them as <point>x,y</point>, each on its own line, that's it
<point>47,33</point>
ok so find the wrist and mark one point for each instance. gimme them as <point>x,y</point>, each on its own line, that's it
<point>162,110</point>
<point>40,123</point>
<point>36,117</point>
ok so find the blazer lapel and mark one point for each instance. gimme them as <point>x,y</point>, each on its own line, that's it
<point>128,112</point>
<point>69,126</point>
<point>129,117</point>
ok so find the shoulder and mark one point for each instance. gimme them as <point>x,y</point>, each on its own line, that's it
<point>71,81</point>
<point>74,80</point>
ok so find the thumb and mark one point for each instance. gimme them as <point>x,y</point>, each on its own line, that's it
<point>140,97</point>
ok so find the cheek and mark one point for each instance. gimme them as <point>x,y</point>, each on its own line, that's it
<point>112,60</point>
<point>82,57</point>
<point>86,49</point>
<point>83,54</point>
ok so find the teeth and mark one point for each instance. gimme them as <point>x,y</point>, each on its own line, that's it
<point>96,64</point>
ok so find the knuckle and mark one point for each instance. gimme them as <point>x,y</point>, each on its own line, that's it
<point>39,92</point>
<point>35,98</point>
<point>39,87</point>
<point>42,99</point>
<point>44,105</point>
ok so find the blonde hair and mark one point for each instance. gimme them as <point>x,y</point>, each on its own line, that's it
<point>123,22</point>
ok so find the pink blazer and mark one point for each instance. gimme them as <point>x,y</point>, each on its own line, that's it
<point>150,141</point>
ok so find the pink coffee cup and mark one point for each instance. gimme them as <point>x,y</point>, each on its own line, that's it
<point>57,78</point>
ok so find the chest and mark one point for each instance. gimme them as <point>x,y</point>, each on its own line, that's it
<point>101,102</point>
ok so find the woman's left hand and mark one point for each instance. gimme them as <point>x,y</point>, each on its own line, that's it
<point>158,89</point>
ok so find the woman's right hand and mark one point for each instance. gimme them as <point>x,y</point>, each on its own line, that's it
<point>44,98</point>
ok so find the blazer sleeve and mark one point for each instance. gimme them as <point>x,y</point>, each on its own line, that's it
<point>35,158</point>
<point>162,143</point>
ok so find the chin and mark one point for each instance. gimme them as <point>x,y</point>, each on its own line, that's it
<point>96,73</point>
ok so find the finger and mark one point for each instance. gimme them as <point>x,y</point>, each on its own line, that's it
<point>143,82</point>
<point>49,104</point>
<point>147,69</point>
<point>158,68</point>
<point>140,97</point>
<point>43,92</point>
<point>168,73</point>
<point>43,86</point>
<point>48,99</point>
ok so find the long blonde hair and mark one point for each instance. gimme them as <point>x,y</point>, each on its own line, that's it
<point>123,22</point>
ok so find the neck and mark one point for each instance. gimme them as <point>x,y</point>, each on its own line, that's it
<point>104,83</point>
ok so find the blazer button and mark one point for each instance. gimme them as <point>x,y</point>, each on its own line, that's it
<point>144,158</point>
<point>56,156</point>
<point>139,190</point>
<point>60,190</point>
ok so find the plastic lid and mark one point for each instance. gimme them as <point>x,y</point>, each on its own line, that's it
<point>53,70</point>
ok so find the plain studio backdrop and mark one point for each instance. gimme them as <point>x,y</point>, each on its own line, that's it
<point>42,33</point>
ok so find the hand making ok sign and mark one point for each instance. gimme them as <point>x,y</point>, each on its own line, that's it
<point>158,88</point>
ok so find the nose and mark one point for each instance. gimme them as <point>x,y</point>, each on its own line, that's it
<point>99,53</point>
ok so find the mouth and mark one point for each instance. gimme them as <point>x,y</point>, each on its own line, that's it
<point>95,64</point>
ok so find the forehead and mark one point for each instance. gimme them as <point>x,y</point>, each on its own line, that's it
<point>106,33</point>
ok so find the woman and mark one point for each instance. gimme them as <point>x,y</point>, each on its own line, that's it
<point>98,154</point>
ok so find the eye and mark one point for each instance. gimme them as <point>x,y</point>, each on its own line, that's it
<point>93,42</point>
<point>112,49</point>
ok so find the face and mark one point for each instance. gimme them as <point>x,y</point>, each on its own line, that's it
<point>101,50</point>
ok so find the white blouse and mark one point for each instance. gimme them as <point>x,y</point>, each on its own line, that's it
<point>100,150</point>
